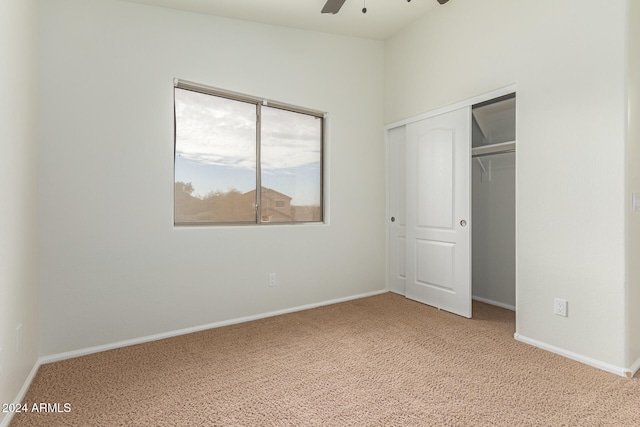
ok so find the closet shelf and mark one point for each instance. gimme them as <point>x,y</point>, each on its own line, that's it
<point>486,150</point>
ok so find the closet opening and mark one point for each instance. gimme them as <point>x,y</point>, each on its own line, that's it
<point>493,193</point>
<point>452,205</point>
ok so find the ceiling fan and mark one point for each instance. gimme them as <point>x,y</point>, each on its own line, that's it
<point>333,6</point>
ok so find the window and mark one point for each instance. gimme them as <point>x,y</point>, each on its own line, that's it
<point>240,159</point>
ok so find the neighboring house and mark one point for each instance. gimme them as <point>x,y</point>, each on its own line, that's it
<point>276,206</point>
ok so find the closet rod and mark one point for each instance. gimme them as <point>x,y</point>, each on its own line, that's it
<point>493,153</point>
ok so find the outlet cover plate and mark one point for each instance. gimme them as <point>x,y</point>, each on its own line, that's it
<point>560,307</point>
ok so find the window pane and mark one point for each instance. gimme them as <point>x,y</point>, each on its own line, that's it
<point>291,156</point>
<point>215,159</point>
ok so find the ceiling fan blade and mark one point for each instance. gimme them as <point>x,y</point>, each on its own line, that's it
<point>442,1</point>
<point>333,6</point>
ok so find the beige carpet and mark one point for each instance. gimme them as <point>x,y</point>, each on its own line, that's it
<point>379,361</point>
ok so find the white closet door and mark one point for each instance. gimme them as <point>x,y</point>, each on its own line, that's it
<point>397,206</point>
<point>438,251</point>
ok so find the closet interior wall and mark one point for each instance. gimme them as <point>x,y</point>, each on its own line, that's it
<point>493,209</point>
<point>493,233</point>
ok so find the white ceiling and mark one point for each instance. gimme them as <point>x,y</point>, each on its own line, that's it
<point>383,17</point>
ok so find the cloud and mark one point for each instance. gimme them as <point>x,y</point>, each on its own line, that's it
<point>217,131</point>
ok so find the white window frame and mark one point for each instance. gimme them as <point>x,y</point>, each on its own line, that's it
<point>259,102</point>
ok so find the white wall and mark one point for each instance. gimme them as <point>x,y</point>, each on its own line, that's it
<point>113,265</point>
<point>493,229</point>
<point>633,182</point>
<point>568,61</point>
<point>18,187</point>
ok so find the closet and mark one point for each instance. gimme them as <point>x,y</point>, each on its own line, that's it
<point>452,205</point>
<point>493,193</point>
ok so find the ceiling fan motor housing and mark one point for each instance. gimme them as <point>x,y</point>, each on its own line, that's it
<point>333,6</point>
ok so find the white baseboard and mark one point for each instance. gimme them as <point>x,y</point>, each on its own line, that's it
<point>23,391</point>
<point>496,303</point>
<point>578,357</point>
<point>635,367</point>
<point>97,349</point>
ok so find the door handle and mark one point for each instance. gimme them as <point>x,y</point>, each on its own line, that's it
<point>463,223</point>
<point>393,219</point>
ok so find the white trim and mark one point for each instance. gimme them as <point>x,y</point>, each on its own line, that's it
<point>578,357</point>
<point>387,211</point>
<point>635,367</point>
<point>496,303</point>
<point>97,349</point>
<point>23,391</point>
<point>215,91</point>
<point>466,103</point>
<point>326,167</point>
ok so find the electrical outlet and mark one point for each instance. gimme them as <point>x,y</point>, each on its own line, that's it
<point>560,307</point>
<point>272,279</point>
